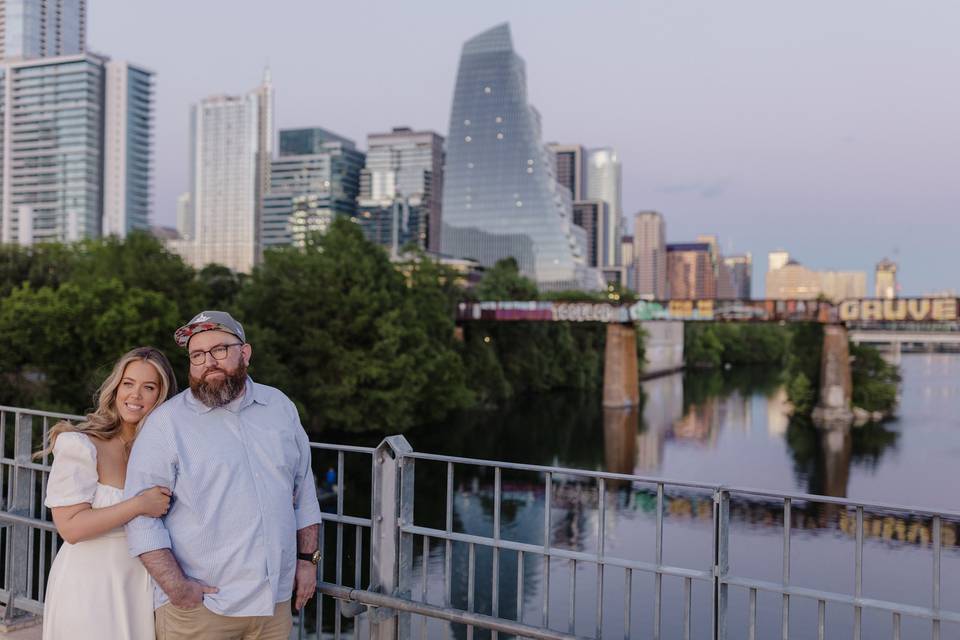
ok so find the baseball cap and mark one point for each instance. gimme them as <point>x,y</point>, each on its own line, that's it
<point>207,321</point>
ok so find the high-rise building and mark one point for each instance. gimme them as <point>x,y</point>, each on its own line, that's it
<point>690,273</point>
<point>626,256</point>
<point>777,260</point>
<point>185,223</point>
<point>885,279</point>
<point>227,158</point>
<point>570,164</point>
<point>53,149</point>
<point>128,139</point>
<point>500,196</point>
<point>740,268</point>
<point>594,217</point>
<point>315,179</point>
<point>401,189</point>
<point>649,261</point>
<point>31,29</point>
<point>604,182</point>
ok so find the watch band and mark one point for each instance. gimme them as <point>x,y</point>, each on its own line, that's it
<point>310,557</point>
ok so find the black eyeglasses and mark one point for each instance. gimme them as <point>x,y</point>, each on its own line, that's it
<point>218,352</point>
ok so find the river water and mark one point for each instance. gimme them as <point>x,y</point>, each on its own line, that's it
<point>728,428</point>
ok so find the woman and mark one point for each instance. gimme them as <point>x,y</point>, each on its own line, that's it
<point>95,589</point>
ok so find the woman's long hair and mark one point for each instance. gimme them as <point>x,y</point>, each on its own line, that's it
<point>104,422</point>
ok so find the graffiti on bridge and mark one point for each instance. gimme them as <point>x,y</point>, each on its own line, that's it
<point>857,310</point>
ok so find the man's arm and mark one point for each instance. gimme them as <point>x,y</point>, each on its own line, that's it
<point>184,592</point>
<point>306,509</point>
<point>305,580</point>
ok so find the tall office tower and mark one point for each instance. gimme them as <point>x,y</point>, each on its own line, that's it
<point>128,139</point>
<point>885,278</point>
<point>185,222</point>
<point>227,160</point>
<point>401,189</point>
<point>604,182</point>
<point>52,175</point>
<point>32,29</point>
<point>777,260</point>
<point>570,163</point>
<point>315,178</point>
<point>626,256</point>
<point>740,268</point>
<point>690,273</point>
<point>500,196</point>
<point>594,217</point>
<point>649,264</point>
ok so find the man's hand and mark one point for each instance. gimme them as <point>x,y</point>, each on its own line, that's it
<point>189,594</point>
<point>304,583</point>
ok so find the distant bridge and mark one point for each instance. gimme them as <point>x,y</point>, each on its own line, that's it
<point>886,321</point>
<point>891,311</point>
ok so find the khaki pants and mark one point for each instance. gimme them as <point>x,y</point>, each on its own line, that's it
<point>203,624</point>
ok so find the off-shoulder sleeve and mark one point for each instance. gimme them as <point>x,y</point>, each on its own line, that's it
<point>73,477</point>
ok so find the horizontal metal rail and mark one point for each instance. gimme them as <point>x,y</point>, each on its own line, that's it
<point>372,599</point>
<point>374,563</point>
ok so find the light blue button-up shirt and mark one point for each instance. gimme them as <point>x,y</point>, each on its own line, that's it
<point>242,487</point>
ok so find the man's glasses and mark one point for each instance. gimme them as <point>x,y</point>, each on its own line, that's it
<point>218,352</point>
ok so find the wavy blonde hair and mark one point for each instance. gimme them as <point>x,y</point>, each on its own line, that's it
<point>104,422</point>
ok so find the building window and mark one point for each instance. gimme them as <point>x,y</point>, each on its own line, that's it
<point>487,90</point>
<point>467,139</point>
<point>466,123</point>
<point>499,135</point>
<point>499,119</point>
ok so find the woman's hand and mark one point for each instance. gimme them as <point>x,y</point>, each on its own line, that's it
<point>155,501</point>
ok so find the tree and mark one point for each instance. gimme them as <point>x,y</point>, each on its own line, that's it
<point>57,345</point>
<point>345,336</point>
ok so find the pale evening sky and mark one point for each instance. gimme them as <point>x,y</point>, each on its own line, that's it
<point>829,129</point>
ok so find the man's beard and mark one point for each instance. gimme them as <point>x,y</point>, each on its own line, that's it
<point>219,392</point>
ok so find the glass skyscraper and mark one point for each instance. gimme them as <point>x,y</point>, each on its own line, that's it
<point>604,183</point>
<point>42,28</point>
<point>315,178</point>
<point>53,146</point>
<point>500,197</point>
<point>231,136</point>
<point>401,189</point>
<point>128,145</point>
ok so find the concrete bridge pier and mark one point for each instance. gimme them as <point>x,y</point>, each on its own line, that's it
<point>834,411</point>
<point>621,384</point>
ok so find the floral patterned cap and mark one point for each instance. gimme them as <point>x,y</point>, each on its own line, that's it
<point>208,321</point>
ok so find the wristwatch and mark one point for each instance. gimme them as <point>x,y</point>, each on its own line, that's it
<point>310,557</point>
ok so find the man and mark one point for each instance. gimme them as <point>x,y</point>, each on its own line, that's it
<point>241,533</point>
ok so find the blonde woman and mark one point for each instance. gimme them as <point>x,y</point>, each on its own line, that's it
<point>95,589</point>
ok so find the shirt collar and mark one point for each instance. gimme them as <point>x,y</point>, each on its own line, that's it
<point>252,392</point>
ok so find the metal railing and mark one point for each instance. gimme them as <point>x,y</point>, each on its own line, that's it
<point>419,545</point>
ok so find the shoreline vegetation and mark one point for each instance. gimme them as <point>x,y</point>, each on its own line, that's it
<point>796,349</point>
<point>360,344</point>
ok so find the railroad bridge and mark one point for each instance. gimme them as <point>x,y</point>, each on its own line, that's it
<point>889,321</point>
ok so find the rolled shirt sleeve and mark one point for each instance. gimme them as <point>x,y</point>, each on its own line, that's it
<point>152,463</point>
<point>306,507</point>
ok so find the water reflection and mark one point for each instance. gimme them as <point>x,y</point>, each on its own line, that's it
<point>719,427</point>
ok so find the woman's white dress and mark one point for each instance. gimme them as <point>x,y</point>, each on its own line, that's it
<point>95,591</point>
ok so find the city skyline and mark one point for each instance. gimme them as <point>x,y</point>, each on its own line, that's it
<point>762,150</point>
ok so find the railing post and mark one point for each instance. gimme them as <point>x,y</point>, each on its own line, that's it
<point>18,545</point>
<point>721,561</point>
<point>391,553</point>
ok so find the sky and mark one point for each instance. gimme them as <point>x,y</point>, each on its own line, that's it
<point>828,129</point>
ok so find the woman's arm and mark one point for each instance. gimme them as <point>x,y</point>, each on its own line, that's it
<point>79,522</point>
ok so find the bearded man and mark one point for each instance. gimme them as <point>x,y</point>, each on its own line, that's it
<point>240,538</point>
